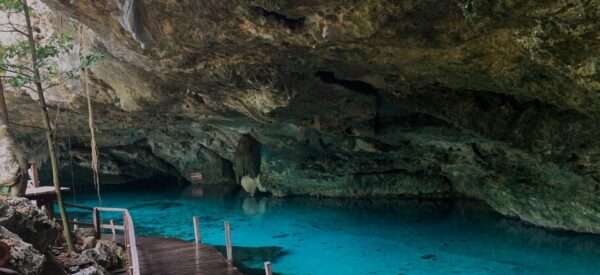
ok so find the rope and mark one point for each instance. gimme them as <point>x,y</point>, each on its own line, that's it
<point>93,145</point>
<point>70,148</point>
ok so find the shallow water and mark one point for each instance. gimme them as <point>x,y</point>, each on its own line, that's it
<point>327,236</point>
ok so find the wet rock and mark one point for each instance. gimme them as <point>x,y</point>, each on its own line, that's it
<point>91,270</point>
<point>24,258</point>
<point>88,242</point>
<point>106,254</point>
<point>20,216</point>
<point>250,184</point>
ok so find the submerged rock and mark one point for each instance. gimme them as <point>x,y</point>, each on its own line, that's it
<point>430,257</point>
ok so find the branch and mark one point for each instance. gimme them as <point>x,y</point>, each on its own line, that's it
<point>13,30</point>
<point>29,88</point>
<point>14,27</point>
<point>7,69</point>
<point>51,86</point>
<point>17,66</point>
<point>12,24</point>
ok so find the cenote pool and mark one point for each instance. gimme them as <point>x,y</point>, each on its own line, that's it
<point>330,236</point>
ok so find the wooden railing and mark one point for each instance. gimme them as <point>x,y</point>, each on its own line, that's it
<point>228,245</point>
<point>128,230</point>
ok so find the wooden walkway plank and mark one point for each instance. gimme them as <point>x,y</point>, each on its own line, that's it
<point>160,256</point>
<point>163,256</point>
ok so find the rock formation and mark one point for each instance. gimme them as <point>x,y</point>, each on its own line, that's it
<point>247,159</point>
<point>20,216</point>
<point>494,100</point>
<point>12,161</point>
<point>35,244</point>
<point>24,258</point>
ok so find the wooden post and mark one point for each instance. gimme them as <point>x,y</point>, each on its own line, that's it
<point>35,177</point>
<point>228,246</point>
<point>197,235</point>
<point>97,223</point>
<point>114,231</point>
<point>268,268</point>
<point>49,208</point>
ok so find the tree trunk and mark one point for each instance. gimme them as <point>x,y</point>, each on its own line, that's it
<point>48,126</point>
<point>3,108</point>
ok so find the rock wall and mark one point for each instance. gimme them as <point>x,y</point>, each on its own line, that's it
<point>490,99</point>
<point>36,246</point>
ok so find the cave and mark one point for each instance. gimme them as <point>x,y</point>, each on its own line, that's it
<point>396,137</point>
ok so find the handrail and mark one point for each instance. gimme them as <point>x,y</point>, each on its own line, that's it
<point>72,205</point>
<point>128,230</point>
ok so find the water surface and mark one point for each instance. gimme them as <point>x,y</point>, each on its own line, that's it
<point>335,236</point>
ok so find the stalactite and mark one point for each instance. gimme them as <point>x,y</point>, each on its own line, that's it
<point>247,158</point>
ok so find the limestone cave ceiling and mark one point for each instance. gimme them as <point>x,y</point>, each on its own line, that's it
<point>491,99</point>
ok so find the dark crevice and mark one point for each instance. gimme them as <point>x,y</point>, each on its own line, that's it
<point>413,120</point>
<point>130,168</point>
<point>484,160</point>
<point>357,86</point>
<point>386,172</point>
<point>353,85</point>
<point>280,19</point>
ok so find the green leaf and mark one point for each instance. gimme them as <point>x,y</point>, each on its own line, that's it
<point>90,60</point>
<point>11,5</point>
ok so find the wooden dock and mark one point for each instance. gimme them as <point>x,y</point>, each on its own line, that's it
<point>146,255</point>
<point>160,256</point>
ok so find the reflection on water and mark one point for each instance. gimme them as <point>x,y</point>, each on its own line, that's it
<point>254,207</point>
<point>341,236</point>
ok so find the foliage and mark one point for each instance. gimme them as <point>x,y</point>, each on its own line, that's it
<point>39,71</point>
<point>11,5</point>
<point>20,75</point>
<point>12,57</point>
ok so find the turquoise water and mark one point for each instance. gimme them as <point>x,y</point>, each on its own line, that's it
<point>326,236</point>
